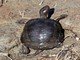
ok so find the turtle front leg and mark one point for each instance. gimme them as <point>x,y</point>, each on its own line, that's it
<point>21,21</point>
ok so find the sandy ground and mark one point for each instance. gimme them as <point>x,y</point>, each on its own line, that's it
<point>10,31</point>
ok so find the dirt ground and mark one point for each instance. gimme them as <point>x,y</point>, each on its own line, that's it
<point>12,11</point>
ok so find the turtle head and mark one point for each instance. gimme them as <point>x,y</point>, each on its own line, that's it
<point>44,12</point>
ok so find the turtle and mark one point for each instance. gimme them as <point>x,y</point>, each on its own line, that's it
<point>42,33</point>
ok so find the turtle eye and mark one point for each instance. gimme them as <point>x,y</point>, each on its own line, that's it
<point>44,11</point>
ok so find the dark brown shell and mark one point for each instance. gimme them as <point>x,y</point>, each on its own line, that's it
<point>42,34</point>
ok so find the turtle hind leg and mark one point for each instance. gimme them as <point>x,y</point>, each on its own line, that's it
<point>74,34</point>
<point>25,50</point>
<point>37,52</point>
<point>34,54</point>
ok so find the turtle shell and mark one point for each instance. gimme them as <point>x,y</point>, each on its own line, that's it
<point>42,34</point>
